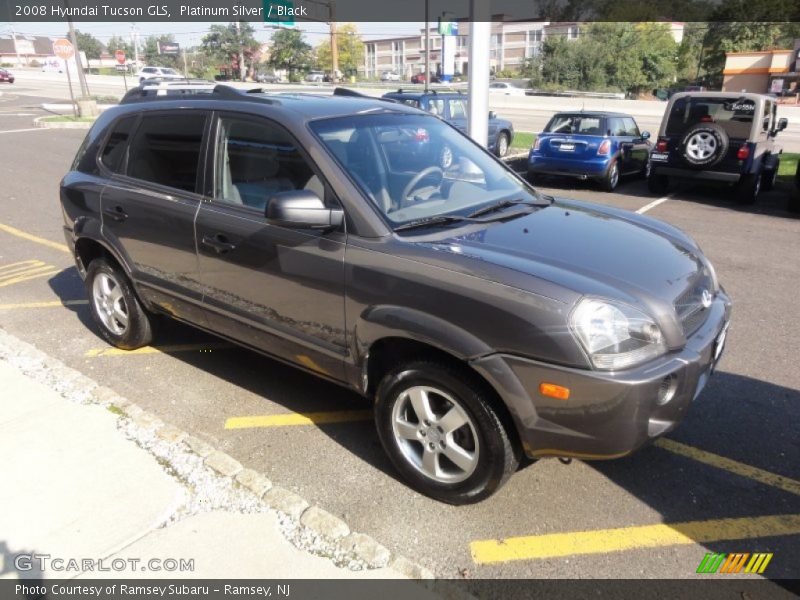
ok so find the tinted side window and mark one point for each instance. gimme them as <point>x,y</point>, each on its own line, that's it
<point>767,115</point>
<point>630,127</point>
<point>616,126</point>
<point>166,150</point>
<point>457,110</point>
<point>255,160</point>
<point>113,154</point>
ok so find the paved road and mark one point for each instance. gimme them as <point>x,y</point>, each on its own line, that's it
<point>731,471</point>
<point>526,113</point>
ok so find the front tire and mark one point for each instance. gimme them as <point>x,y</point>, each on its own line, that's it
<point>502,145</point>
<point>436,423</point>
<point>119,315</point>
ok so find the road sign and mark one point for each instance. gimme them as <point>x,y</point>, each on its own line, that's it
<point>169,48</point>
<point>279,12</point>
<point>63,49</point>
<point>120,56</point>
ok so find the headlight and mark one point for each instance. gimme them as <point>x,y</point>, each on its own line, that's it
<point>615,336</point>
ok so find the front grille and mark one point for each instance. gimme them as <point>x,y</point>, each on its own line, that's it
<point>689,305</point>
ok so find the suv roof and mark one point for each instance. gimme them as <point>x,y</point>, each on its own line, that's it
<point>748,95</point>
<point>591,113</point>
<point>401,93</point>
<point>308,105</point>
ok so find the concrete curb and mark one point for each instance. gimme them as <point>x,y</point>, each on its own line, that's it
<point>310,519</point>
<point>38,122</point>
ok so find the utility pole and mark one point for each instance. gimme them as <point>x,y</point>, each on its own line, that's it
<point>135,42</point>
<point>427,45</point>
<point>78,63</point>
<point>334,41</point>
<point>242,73</point>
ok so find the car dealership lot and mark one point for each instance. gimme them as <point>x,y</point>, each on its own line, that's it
<point>729,474</point>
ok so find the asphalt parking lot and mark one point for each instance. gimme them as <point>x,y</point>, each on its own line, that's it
<point>727,480</point>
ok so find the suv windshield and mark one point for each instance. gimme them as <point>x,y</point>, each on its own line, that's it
<point>734,115</point>
<point>416,166</point>
<point>575,124</point>
<point>169,72</point>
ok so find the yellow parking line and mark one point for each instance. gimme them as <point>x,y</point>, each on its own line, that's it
<point>601,541</point>
<point>33,238</point>
<point>24,270</point>
<point>52,304</point>
<point>715,460</point>
<point>312,418</point>
<point>167,349</point>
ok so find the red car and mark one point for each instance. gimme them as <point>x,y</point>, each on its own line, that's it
<point>418,78</point>
<point>6,76</point>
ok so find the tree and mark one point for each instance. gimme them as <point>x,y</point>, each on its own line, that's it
<point>88,43</point>
<point>289,51</point>
<point>735,37</point>
<point>351,50</point>
<point>224,43</point>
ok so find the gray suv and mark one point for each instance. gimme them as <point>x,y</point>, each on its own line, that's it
<point>486,321</point>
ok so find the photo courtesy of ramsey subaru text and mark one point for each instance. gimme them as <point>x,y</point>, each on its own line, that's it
<point>487,321</point>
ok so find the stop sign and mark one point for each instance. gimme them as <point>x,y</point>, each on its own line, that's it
<point>120,56</point>
<point>63,49</point>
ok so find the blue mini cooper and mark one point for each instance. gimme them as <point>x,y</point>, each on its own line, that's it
<point>602,146</point>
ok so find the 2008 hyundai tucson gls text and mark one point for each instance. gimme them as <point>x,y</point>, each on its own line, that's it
<point>486,320</point>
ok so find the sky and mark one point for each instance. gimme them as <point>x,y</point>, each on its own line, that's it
<point>190,34</point>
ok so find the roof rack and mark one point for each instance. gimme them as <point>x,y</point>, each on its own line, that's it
<point>351,93</point>
<point>168,89</point>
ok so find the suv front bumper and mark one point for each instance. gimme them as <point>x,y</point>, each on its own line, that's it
<point>608,414</point>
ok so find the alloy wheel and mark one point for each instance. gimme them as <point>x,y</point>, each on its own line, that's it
<point>435,434</point>
<point>109,303</point>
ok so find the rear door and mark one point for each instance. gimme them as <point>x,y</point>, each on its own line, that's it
<point>150,203</point>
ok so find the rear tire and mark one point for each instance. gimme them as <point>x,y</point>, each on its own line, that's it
<point>119,315</point>
<point>611,179</point>
<point>657,184</point>
<point>769,177</point>
<point>748,188</point>
<point>501,146</point>
<point>457,421</point>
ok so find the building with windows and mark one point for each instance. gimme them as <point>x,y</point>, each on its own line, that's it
<point>775,71</point>
<point>512,42</point>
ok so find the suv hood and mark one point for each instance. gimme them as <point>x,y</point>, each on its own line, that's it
<point>590,250</point>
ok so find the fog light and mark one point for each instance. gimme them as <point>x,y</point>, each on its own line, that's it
<point>667,389</point>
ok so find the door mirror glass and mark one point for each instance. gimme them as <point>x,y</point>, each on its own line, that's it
<point>492,115</point>
<point>782,124</point>
<point>301,209</point>
<point>645,135</point>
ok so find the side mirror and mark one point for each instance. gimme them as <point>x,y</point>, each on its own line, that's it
<point>645,135</point>
<point>301,209</point>
<point>492,115</point>
<point>782,124</point>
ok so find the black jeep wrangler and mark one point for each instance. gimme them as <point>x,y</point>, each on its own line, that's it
<point>725,137</point>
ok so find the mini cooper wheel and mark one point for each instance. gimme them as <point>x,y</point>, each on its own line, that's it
<point>122,319</point>
<point>611,179</point>
<point>438,428</point>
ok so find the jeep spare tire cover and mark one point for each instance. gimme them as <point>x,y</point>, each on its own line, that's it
<point>703,145</point>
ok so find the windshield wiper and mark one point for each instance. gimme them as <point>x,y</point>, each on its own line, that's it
<point>501,205</point>
<point>431,222</point>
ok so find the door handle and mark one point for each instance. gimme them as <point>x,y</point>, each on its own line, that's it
<point>218,243</point>
<point>116,213</point>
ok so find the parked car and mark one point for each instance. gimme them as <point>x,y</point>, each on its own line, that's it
<point>161,72</point>
<point>390,76</point>
<point>6,75</point>
<point>505,89</point>
<point>268,78</point>
<point>723,137</point>
<point>453,107</point>
<point>315,77</point>
<point>484,319</point>
<point>418,78</point>
<point>602,146</point>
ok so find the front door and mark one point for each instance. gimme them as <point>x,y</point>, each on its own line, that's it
<point>150,204</point>
<point>277,289</point>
